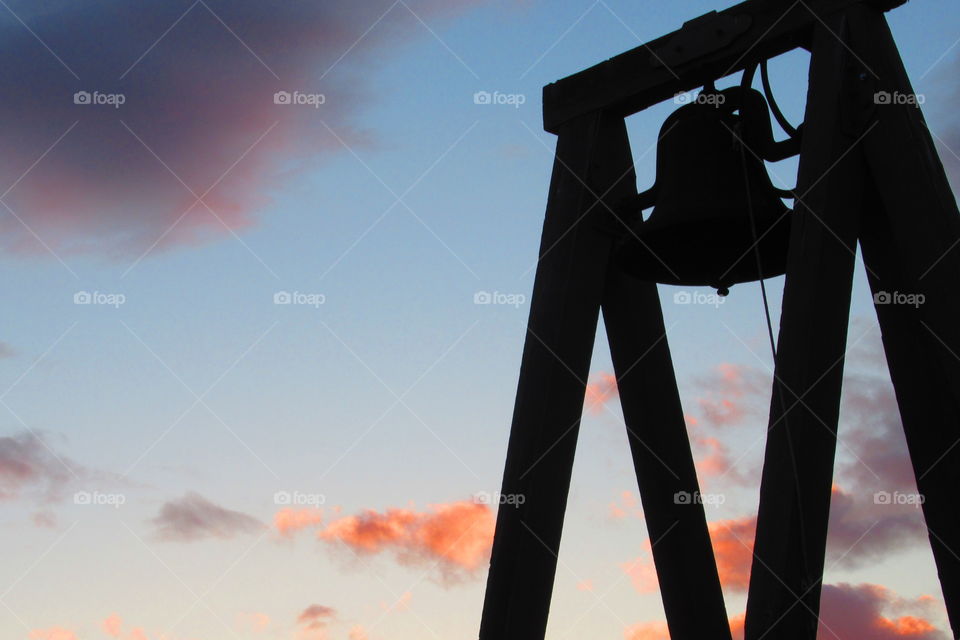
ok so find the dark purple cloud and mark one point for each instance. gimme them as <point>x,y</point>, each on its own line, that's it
<point>873,612</point>
<point>193,517</point>
<point>197,80</point>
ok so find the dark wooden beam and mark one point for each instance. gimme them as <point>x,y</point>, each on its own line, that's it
<point>593,158</point>
<point>911,245</point>
<point>706,48</point>
<point>686,567</point>
<point>785,579</point>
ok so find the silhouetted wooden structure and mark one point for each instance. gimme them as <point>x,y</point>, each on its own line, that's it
<point>867,174</point>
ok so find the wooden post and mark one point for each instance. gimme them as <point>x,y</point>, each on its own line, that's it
<point>784,594</point>
<point>593,154</point>
<point>686,567</point>
<point>594,161</point>
<point>911,244</point>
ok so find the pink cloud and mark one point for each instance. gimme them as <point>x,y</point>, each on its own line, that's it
<point>198,116</point>
<point>873,612</point>
<point>600,392</point>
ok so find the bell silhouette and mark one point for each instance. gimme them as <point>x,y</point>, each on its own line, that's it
<point>700,230</point>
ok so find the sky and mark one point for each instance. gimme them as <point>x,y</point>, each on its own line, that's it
<point>247,388</point>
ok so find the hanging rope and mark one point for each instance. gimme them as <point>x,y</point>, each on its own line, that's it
<point>746,81</point>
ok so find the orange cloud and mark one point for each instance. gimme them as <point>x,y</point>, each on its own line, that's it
<point>736,626</point>
<point>112,625</point>
<point>53,633</point>
<point>288,521</point>
<point>357,632</point>
<point>647,631</point>
<point>255,621</point>
<point>625,506</point>
<point>642,572</point>
<point>733,547</point>
<point>585,585</point>
<point>600,392</point>
<point>457,535</point>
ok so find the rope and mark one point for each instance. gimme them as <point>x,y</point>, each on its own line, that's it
<point>747,78</point>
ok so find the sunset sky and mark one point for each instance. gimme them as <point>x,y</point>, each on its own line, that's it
<point>246,391</point>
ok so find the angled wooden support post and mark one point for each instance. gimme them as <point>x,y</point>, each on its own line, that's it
<point>784,593</point>
<point>887,188</point>
<point>593,162</point>
<point>911,246</point>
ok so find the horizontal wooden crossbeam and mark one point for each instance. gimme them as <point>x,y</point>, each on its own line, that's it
<point>712,46</point>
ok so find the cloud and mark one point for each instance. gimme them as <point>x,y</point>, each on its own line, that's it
<point>600,392</point>
<point>53,633</point>
<point>198,113</point>
<point>733,547</point>
<point>27,463</point>
<point>254,621</point>
<point>6,351</point>
<point>873,612</point>
<point>45,520</point>
<point>112,626</point>
<point>627,505</point>
<point>357,632</point>
<point>647,631</point>
<point>316,616</point>
<point>731,393</point>
<point>289,521</point>
<point>861,530</point>
<point>455,536</point>
<point>193,517</point>
<point>864,612</point>
<point>642,572</point>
